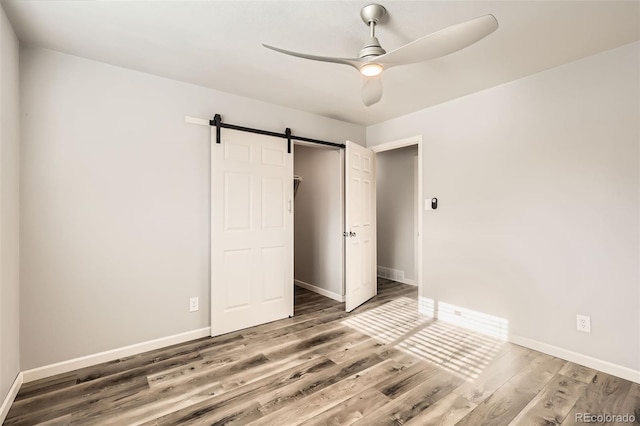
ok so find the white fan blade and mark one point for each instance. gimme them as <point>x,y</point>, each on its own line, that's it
<point>354,62</point>
<point>441,43</point>
<point>371,90</point>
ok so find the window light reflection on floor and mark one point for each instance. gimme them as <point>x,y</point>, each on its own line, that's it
<point>461,341</point>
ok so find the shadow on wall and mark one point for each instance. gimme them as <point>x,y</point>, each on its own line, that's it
<point>461,341</point>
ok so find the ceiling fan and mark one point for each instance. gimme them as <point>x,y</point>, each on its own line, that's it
<point>373,59</point>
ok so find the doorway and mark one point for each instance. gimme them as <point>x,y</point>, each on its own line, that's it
<point>319,221</point>
<point>399,195</point>
<point>396,207</point>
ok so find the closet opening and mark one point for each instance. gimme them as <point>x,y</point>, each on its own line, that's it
<point>318,224</point>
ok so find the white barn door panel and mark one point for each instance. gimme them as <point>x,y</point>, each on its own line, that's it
<point>360,226</point>
<point>251,231</point>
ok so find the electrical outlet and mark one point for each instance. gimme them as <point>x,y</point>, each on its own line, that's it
<point>193,304</point>
<point>583,323</point>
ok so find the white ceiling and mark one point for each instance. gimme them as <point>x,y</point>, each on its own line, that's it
<point>217,44</point>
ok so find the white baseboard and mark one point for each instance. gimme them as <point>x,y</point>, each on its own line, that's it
<point>578,358</point>
<point>113,354</point>
<point>11,396</point>
<point>404,281</point>
<point>409,282</point>
<point>321,291</point>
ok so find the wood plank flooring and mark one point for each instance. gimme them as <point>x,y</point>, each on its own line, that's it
<point>382,364</point>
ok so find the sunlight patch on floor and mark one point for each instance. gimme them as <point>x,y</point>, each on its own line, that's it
<point>388,322</point>
<point>446,346</point>
<point>456,347</point>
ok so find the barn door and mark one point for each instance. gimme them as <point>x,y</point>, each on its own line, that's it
<point>251,231</point>
<point>360,226</point>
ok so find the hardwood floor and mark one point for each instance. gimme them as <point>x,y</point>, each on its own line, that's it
<point>382,364</point>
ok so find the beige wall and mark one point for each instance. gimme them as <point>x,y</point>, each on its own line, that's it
<point>538,189</point>
<point>9,207</point>
<point>115,202</point>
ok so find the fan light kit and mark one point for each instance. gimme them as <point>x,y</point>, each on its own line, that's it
<point>371,70</point>
<point>373,59</point>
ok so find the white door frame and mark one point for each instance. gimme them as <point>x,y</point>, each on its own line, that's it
<point>416,214</point>
<point>413,140</point>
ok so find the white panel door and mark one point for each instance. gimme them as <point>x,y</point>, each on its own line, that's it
<point>251,231</point>
<point>360,225</point>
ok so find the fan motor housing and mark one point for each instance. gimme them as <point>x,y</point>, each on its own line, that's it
<point>372,48</point>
